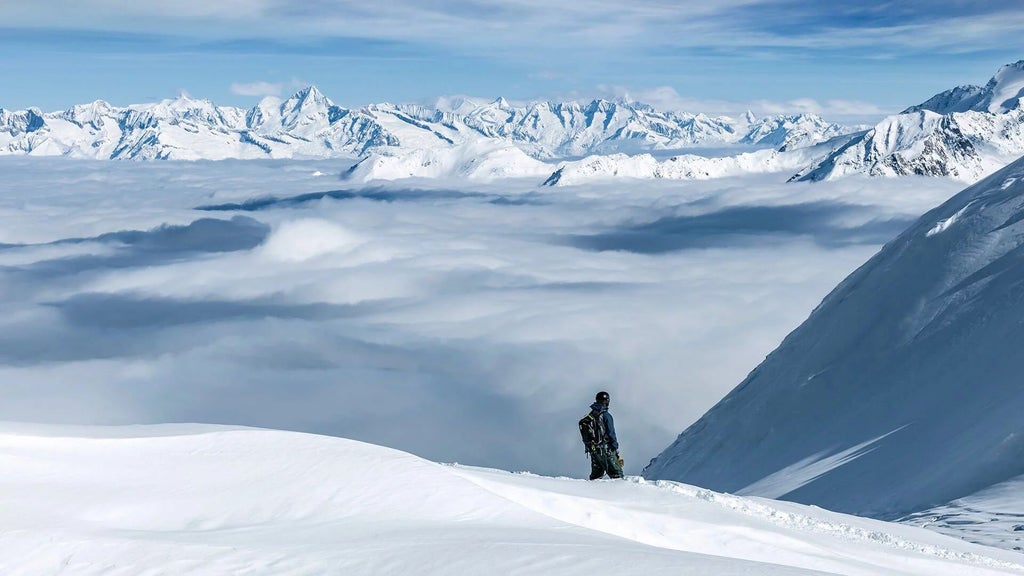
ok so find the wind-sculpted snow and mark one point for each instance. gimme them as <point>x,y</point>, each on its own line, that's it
<point>993,517</point>
<point>914,352</point>
<point>200,499</point>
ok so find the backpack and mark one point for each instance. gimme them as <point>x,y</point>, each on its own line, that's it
<point>592,431</point>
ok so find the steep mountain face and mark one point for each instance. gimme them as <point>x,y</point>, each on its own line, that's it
<point>902,390</point>
<point>963,133</point>
<point>309,124</point>
<point>959,99</point>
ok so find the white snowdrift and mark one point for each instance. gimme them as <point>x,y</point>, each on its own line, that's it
<point>192,499</point>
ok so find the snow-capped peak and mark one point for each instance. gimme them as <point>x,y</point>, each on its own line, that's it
<point>309,98</point>
<point>1006,88</point>
<point>1000,95</point>
<point>305,108</point>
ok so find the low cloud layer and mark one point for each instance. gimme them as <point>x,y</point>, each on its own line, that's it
<point>256,88</point>
<point>462,324</point>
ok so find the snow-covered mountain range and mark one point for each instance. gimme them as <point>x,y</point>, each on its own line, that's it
<point>964,133</point>
<point>901,392</point>
<point>309,124</point>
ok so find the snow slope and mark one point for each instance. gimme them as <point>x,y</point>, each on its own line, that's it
<point>994,516</point>
<point>901,391</point>
<point>176,499</point>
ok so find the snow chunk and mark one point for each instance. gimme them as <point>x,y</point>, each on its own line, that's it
<point>943,225</point>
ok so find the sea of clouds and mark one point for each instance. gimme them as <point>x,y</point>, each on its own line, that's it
<point>461,322</point>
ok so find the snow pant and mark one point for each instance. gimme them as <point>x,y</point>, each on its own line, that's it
<point>603,460</point>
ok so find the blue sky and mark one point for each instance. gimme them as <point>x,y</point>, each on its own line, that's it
<point>844,60</point>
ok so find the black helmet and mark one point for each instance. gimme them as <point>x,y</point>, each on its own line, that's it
<point>603,397</point>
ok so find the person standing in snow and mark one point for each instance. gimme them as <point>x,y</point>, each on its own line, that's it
<point>604,454</point>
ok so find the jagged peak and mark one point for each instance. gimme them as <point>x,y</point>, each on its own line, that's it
<point>310,91</point>
<point>601,105</point>
<point>307,97</point>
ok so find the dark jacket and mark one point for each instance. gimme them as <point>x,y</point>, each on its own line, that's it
<point>601,411</point>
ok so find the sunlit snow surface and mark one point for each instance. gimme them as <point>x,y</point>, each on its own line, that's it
<point>994,516</point>
<point>192,499</point>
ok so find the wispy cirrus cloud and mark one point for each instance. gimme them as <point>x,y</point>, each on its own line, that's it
<point>520,25</point>
<point>845,57</point>
<point>667,98</point>
<point>256,88</point>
